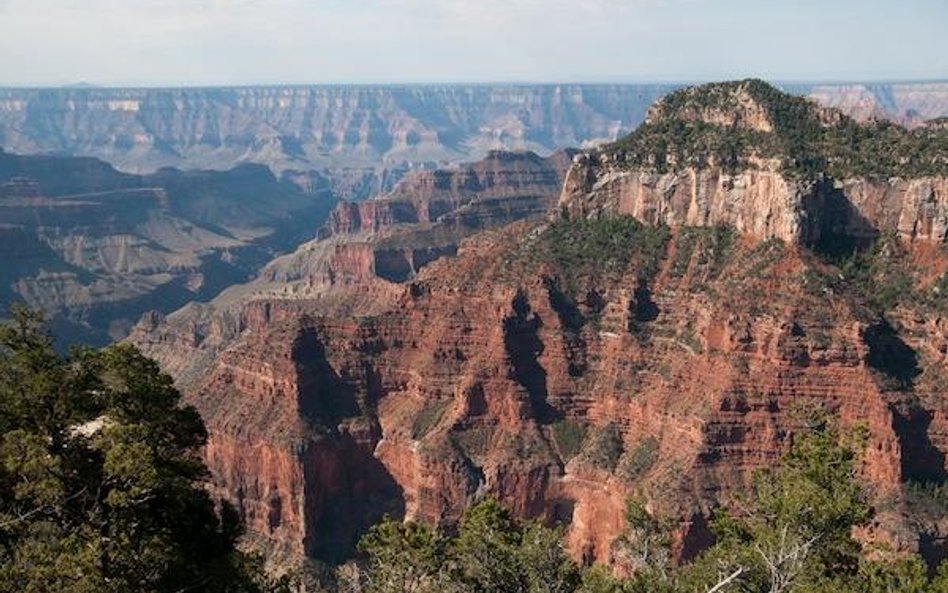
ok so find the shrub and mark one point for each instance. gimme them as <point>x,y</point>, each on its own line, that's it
<point>603,447</point>
<point>568,436</point>
<point>640,459</point>
<point>602,247</point>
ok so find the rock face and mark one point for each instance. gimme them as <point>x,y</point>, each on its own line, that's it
<point>772,167</point>
<point>503,187</point>
<point>761,203</point>
<point>481,378</point>
<point>301,488</point>
<point>96,248</point>
<point>363,138</point>
<point>365,249</point>
<point>630,342</point>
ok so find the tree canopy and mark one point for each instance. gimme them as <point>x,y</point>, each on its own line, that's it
<point>712,124</point>
<point>101,477</point>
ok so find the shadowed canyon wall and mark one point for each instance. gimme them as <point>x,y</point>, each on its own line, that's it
<point>95,248</point>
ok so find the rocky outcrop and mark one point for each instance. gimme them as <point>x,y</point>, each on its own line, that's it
<point>772,166</point>
<point>916,209</point>
<point>501,188</point>
<point>759,203</point>
<point>762,203</point>
<point>348,218</point>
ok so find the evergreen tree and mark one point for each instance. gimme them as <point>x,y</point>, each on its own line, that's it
<point>101,478</point>
<point>405,557</point>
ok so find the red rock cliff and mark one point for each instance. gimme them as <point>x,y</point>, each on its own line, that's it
<point>562,365</point>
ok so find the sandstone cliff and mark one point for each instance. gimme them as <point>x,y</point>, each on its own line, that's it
<point>761,203</point>
<point>746,156</point>
<point>670,325</point>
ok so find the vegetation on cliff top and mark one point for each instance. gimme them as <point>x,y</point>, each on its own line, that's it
<point>732,124</point>
<point>594,249</point>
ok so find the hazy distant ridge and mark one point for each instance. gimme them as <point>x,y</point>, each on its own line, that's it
<point>348,130</point>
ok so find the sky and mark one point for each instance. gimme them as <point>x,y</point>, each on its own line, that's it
<point>246,42</point>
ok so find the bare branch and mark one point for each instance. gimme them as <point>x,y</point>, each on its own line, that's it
<point>726,580</point>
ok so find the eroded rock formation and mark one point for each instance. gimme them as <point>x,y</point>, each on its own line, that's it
<point>761,203</point>
<point>665,330</point>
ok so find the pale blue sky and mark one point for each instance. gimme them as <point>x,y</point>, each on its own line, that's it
<point>210,42</point>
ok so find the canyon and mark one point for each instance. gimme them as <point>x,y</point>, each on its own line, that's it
<point>362,138</point>
<point>95,248</point>
<point>656,316</point>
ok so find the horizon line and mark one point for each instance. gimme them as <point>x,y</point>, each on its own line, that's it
<point>84,86</point>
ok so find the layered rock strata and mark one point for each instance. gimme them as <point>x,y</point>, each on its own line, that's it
<point>665,331</point>
<point>363,138</point>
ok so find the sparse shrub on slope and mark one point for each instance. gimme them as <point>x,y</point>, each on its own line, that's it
<point>600,249</point>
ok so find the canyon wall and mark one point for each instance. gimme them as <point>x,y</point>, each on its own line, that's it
<point>562,392</point>
<point>763,203</point>
<point>905,103</point>
<point>486,375</point>
<point>363,138</point>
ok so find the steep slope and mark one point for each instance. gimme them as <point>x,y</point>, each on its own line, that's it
<point>772,166</point>
<point>665,331</point>
<point>363,138</point>
<point>96,248</point>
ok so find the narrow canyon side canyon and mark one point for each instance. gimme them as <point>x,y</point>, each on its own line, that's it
<point>656,316</point>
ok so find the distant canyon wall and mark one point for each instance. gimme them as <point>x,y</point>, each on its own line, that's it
<point>364,138</point>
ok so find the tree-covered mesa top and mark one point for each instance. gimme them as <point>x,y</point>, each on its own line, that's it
<point>741,125</point>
